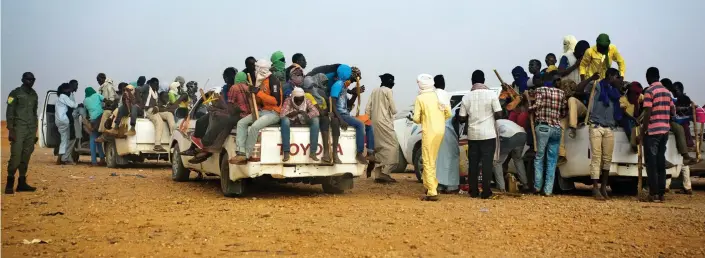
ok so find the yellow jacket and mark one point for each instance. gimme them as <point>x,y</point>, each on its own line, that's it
<point>593,62</point>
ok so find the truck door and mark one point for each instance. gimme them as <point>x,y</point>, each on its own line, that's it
<point>49,132</point>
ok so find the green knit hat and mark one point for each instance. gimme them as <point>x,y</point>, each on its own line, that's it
<point>603,40</point>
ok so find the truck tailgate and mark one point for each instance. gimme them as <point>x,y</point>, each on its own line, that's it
<point>271,149</point>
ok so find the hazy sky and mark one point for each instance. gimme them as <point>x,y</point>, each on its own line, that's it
<point>77,39</point>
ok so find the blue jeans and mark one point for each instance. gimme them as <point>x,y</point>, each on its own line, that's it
<point>286,134</point>
<point>360,131</point>
<point>548,139</point>
<point>248,130</point>
<point>96,147</point>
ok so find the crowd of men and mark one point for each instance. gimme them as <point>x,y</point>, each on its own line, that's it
<point>535,110</point>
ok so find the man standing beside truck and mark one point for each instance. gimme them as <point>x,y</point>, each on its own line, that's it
<point>22,125</point>
<point>658,107</point>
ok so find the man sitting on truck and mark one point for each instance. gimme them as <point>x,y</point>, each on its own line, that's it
<point>298,110</point>
<point>155,114</point>
<point>128,107</point>
<point>340,104</point>
<point>223,113</point>
<point>316,86</point>
<point>267,89</point>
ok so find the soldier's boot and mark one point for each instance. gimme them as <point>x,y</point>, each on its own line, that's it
<point>22,185</point>
<point>10,185</point>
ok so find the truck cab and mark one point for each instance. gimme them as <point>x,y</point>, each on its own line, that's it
<point>266,161</point>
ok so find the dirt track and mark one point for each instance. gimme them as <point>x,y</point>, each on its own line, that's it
<point>130,216</point>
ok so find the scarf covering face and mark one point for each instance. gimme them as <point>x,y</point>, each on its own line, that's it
<point>569,43</point>
<point>297,76</point>
<point>180,80</point>
<point>174,87</point>
<point>240,77</point>
<point>262,67</point>
<point>580,49</point>
<point>633,93</point>
<point>425,82</point>
<point>344,72</point>
<point>277,62</point>
<point>522,80</point>
<point>89,91</point>
<point>152,95</point>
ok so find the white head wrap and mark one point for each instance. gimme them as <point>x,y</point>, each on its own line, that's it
<point>174,87</point>
<point>298,92</point>
<point>262,67</point>
<point>425,82</point>
<point>569,43</point>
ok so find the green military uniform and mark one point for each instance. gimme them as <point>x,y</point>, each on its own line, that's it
<point>22,121</point>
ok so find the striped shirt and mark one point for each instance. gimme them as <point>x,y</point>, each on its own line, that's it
<point>658,98</point>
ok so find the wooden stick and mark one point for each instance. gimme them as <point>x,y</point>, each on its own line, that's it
<point>590,102</point>
<point>357,87</point>
<point>531,120</point>
<point>640,161</point>
<point>254,99</point>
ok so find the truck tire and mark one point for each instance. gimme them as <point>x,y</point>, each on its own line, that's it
<point>337,184</point>
<point>230,188</point>
<point>110,154</point>
<point>178,172</point>
<point>418,165</point>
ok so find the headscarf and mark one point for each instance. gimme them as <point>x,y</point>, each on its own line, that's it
<point>603,41</point>
<point>240,77</point>
<point>569,43</point>
<point>174,87</point>
<point>298,92</point>
<point>344,72</point>
<point>425,82</point>
<point>523,78</point>
<point>130,87</point>
<point>356,73</point>
<point>180,80</point>
<point>89,92</point>
<point>277,62</point>
<point>439,81</point>
<point>387,80</point>
<point>580,49</point>
<point>297,75</point>
<point>262,67</point>
<point>633,93</point>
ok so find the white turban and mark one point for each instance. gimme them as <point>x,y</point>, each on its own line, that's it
<point>569,43</point>
<point>298,92</point>
<point>425,82</point>
<point>174,87</point>
<point>262,71</point>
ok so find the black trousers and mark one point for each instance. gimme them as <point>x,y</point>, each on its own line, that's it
<point>326,124</point>
<point>481,151</point>
<point>201,126</point>
<point>655,155</point>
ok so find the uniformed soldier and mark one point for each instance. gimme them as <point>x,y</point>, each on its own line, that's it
<point>22,132</point>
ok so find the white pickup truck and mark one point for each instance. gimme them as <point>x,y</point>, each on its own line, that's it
<point>118,151</point>
<point>623,171</point>
<point>267,158</point>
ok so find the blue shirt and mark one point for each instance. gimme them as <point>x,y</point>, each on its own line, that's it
<point>564,63</point>
<point>94,105</point>
<point>337,91</point>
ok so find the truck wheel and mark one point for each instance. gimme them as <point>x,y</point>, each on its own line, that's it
<point>230,188</point>
<point>178,172</point>
<point>418,164</point>
<point>110,154</point>
<point>337,184</point>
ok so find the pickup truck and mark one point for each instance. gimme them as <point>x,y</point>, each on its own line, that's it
<point>623,170</point>
<point>266,161</point>
<point>118,151</point>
